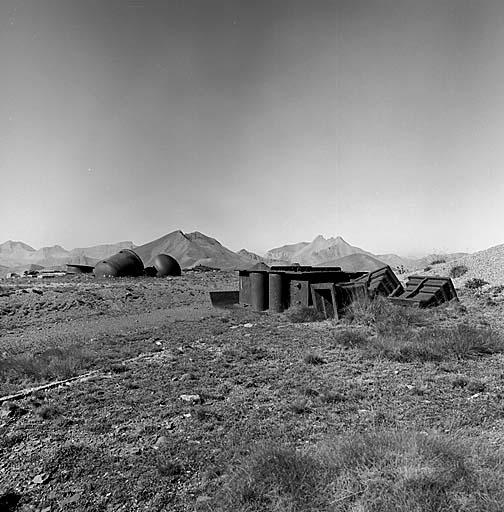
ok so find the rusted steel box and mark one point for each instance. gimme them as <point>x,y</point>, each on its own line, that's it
<point>245,290</point>
<point>382,281</point>
<point>299,293</point>
<point>425,291</point>
<point>299,284</point>
<point>324,299</point>
<point>348,293</point>
<point>224,299</point>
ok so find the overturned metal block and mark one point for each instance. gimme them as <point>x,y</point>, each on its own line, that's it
<point>324,299</point>
<point>425,291</point>
<point>382,281</point>
<point>224,299</point>
<point>126,263</point>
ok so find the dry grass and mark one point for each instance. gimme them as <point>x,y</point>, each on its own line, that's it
<point>275,430</point>
<point>408,334</point>
<point>458,271</point>
<point>52,364</point>
<point>372,472</point>
<point>438,344</point>
<point>301,314</point>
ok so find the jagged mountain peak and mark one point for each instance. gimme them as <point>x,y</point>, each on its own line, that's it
<point>13,245</point>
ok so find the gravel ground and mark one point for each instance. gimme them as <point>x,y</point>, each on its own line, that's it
<point>487,265</point>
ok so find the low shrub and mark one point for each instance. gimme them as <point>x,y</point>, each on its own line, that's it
<point>387,318</point>
<point>438,344</point>
<point>301,314</point>
<point>438,261</point>
<point>350,338</point>
<point>458,271</point>
<point>53,363</point>
<point>313,358</point>
<point>382,470</point>
<point>475,283</point>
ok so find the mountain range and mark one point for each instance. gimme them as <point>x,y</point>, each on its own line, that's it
<point>193,249</point>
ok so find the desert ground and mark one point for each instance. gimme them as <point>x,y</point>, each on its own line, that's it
<point>171,404</point>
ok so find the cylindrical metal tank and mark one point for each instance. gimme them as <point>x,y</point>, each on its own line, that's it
<point>166,265</point>
<point>275,286</point>
<point>259,290</point>
<point>126,263</point>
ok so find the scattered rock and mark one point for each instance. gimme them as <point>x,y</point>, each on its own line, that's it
<point>42,478</point>
<point>72,499</point>
<point>191,398</point>
<point>248,325</point>
<point>203,503</point>
<point>11,410</point>
<point>161,441</point>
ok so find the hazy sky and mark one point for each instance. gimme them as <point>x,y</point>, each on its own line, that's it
<point>256,122</point>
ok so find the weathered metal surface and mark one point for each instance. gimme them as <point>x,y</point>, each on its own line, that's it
<point>332,290</point>
<point>348,293</point>
<point>166,265</point>
<point>299,293</point>
<point>276,292</point>
<point>79,269</point>
<point>245,287</point>
<point>382,281</point>
<point>324,299</point>
<point>259,290</point>
<point>126,263</point>
<point>425,291</point>
<point>303,268</point>
<point>224,299</point>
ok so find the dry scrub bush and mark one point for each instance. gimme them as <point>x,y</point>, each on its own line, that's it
<point>313,358</point>
<point>373,472</point>
<point>458,271</point>
<point>475,283</point>
<point>385,317</point>
<point>53,363</point>
<point>438,343</point>
<point>406,334</point>
<point>350,338</point>
<point>301,314</point>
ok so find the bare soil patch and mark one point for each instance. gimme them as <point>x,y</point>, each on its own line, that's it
<point>195,408</point>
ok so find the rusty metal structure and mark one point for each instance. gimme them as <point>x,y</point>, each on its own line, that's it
<point>166,265</point>
<point>331,290</point>
<point>73,268</point>
<point>280,287</point>
<point>425,291</point>
<point>126,263</point>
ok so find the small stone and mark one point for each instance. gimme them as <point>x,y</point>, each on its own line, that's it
<point>203,502</point>
<point>248,325</point>
<point>161,441</point>
<point>190,398</point>
<point>10,410</point>
<point>42,478</point>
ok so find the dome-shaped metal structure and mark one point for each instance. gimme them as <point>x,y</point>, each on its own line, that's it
<point>166,266</point>
<point>126,263</point>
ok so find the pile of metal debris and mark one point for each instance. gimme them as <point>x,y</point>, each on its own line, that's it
<point>127,263</point>
<point>330,290</point>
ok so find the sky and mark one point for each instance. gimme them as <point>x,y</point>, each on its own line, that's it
<point>258,123</point>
